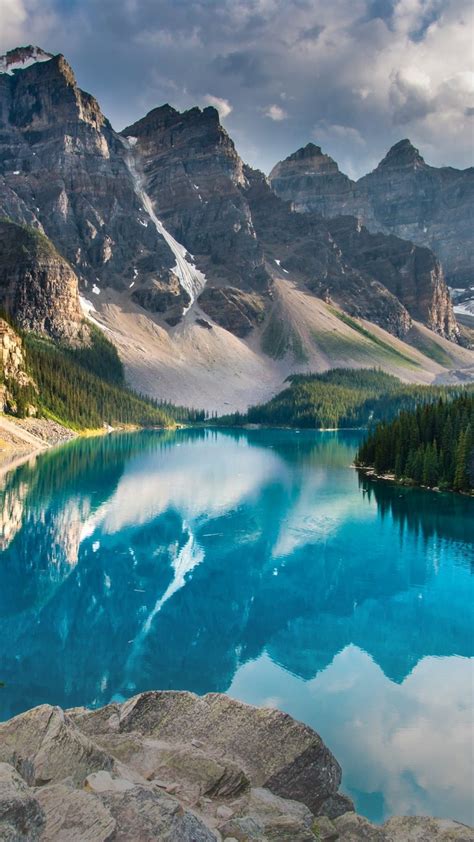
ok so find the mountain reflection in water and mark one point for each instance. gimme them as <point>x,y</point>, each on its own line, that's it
<point>257,563</point>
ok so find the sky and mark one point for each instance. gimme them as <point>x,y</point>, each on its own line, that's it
<point>353,76</point>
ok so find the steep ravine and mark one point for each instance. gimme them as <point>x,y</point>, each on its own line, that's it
<point>190,278</point>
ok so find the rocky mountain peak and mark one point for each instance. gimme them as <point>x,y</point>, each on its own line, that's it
<point>21,57</point>
<point>402,154</point>
<point>39,90</point>
<point>310,160</point>
<point>205,122</point>
<point>308,151</point>
<point>403,196</point>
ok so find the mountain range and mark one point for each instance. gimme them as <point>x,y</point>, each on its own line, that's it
<point>404,196</point>
<point>213,281</point>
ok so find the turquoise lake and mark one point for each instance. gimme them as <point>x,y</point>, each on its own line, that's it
<point>259,564</point>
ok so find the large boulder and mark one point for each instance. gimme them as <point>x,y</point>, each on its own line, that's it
<point>424,829</point>
<point>45,747</point>
<point>181,768</point>
<point>272,749</point>
<point>21,816</point>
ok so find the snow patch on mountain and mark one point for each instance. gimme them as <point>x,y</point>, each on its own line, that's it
<point>190,277</point>
<point>21,58</point>
<point>466,308</point>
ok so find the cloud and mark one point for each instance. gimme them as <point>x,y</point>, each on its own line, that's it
<point>410,743</point>
<point>311,34</point>
<point>13,17</point>
<point>411,95</point>
<point>365,72</point>
<point>334,131</point>
<point>275,113</point>
<point>223,105</point>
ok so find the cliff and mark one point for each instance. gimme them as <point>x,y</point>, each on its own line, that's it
<point>175,766</point>
<point>403,195</point>
<point>38,288</point>
<point>63,171</point>
<point>14,378</point>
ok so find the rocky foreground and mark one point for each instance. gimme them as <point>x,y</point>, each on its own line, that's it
<point>175,766</point>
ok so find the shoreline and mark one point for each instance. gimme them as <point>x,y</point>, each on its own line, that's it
<point>371,474</point>
<point>203,767</point>
<point>24,439</point>
<point>11,460</point>
<point>23,445</point>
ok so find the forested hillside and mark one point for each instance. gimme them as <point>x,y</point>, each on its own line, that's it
<point>81,386</point>
<point>432,446</point>
<point>340,398</point>
<point>75,395</point>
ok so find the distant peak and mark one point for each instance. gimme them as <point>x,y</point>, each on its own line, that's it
<point>310,158</point>
<point>402,154</point>
<point>308,151</point>
<point>21,57</point>
<point>165,115</point>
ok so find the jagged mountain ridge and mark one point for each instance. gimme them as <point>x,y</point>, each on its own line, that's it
<point>63,170</point>
<point>202,191</point>
<point>165,221</point>
<point>403,195</point>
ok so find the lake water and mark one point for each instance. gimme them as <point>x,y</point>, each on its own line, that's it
<point>254,563</point>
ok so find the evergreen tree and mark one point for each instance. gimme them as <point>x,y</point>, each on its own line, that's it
<point>408,445</point>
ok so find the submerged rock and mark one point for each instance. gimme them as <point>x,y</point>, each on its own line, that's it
<point>176,766</point>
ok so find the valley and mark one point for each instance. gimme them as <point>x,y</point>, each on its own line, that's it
<point>236,432</point>
<point>211,286</point>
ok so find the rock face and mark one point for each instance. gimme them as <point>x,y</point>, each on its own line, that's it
<point>12,360</point>
<point>307,248</point>
<point>175,766</point>
<point>411,273</point>
<point>14,378</point>
<point>38,288</point>
<point>312,181</point>
<point>433,207</point>
<point>195,179</point>
<point>167,213</point>
<point>63,170</point>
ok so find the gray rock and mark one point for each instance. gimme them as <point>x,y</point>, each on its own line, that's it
<point>146,814</point>
<point>271,748</point>
<point>21,817</point>
<point>336,805</point>
<point>276,818</point>
<point>176,767</point>
<point>224,812</point>
<point>324,829</point>
<point>172,765</point>
<point>352,828</point>
<point>74,814</point>
<point>45,747</point>
<point>103,781</point>
<point>421,829</point>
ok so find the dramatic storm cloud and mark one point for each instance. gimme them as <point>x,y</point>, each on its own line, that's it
<point>353,75</point>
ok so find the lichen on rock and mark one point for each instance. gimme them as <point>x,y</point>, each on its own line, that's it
<point>176,766</point>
